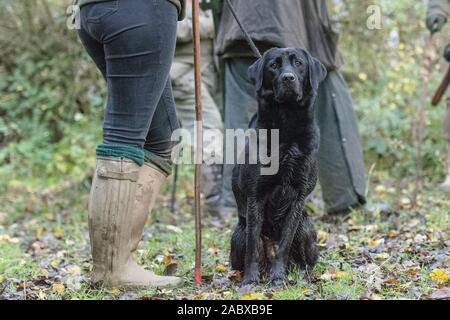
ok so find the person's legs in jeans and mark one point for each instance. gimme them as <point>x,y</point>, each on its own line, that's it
<point>133,47</point>
<point>132,43</point>
<point>158,143</point>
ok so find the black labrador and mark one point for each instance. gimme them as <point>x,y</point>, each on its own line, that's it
<point>274,231</point>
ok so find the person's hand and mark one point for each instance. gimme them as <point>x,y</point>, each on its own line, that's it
<point>435,22</point>
<point>205,4</point>
<point>447,53</point>
<point>214,5</point>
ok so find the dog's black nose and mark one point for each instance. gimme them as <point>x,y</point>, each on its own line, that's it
<point>288,77</point>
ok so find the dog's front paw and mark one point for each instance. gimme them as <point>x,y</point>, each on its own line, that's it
<point>251,279</point>
<point>277,275</point>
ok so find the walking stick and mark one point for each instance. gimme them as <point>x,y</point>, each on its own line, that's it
<point>199,142</point>
<point>442,89</point>
<point>174,189</point>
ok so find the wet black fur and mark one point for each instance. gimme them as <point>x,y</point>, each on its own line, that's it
<point>274,231</point>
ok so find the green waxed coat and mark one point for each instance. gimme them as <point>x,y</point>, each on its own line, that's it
<point>180,4</point>
<point>439,7</point>
<point>280,23</point>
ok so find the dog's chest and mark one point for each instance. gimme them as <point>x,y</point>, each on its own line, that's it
<point>297,173</point>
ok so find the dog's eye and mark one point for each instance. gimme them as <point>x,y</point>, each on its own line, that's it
<point>298,63</point>
<point>274,65</point>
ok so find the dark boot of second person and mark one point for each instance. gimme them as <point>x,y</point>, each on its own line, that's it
<point>211,189</point>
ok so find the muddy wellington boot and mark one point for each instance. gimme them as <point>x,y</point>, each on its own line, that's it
<point>114,224</point>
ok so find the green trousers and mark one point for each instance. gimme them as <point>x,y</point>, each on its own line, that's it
<point>183,88</point>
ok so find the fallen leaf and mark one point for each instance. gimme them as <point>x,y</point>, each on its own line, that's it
<point>115,291</point>
<point>376,242</point>
<point>322,237</point>
<point>439,276</point>
<point>235,276</point>
<point>199,296</point>
<point>441,294</point>
<point>49,216</point>
<point>391,282</point>
<point>55,263</point>
<point>213,249</point>
<point>75,270</point>
<point>7,239</point>
<point>171,268</point>
<point>58,288</point>
<point>382,256</point>
<point>332,275</point>
<point>420,238</point>
<point>413,223</point>
<point>190,194</point>
<point>411,265</point>
<point>61,254</point>
<point>380,189</point>
<point>39,231</point>
<point>221,282</point>
<point>174,229</point>
<point>375,297</point>
<point>58,232</point>
<point>405,203</point>
<point>167,260</point>
<point>252,296</point>
<point>269,295</point>
<point>221,268</point>
<point>2,278</point>
<point>392,234</point>
<point>42,295</point>
<point>168,251</point>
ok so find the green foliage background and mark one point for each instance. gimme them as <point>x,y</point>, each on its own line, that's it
<point>52,96</point>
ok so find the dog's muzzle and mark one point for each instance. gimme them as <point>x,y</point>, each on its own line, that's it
<point>288,77</point>
<point>288,88</point>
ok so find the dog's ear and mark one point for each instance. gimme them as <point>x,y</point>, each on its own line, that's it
<point>255,73</point>
<point>317,71</point>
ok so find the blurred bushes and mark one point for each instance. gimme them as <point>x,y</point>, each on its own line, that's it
<point>385,69</point>
<point>50,103</point>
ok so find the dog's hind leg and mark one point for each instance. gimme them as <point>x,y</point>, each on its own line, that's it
<point>237,252</point>
<point>304,252</point>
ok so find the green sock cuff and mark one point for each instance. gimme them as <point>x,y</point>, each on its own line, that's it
<point>165,165</point>
<point>117,151</point>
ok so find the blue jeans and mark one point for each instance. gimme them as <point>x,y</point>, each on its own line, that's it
<point>132,42</point>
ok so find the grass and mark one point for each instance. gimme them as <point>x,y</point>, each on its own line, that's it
<point>44,251</point>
